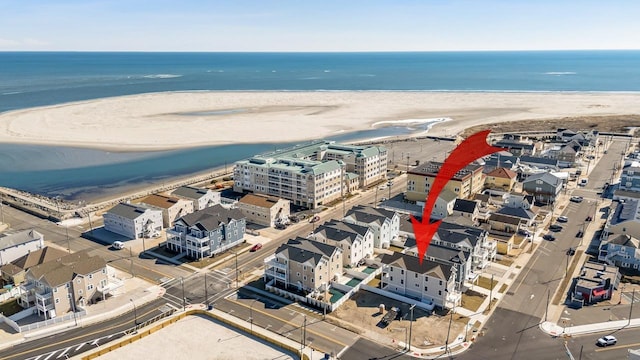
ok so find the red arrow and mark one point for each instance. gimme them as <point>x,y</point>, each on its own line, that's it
<point>471,149</point>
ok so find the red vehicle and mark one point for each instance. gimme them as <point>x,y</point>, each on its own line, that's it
<point>314,219</point>
<point>256,247</point>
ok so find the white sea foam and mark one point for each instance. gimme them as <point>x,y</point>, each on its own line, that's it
<point>162,76</point>
<point>430,122</point>
<point>559,73</point>
<point>12,92</point>
<point>327,71</point>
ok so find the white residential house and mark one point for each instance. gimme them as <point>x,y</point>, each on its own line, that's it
<point>630,178</point>
<point>201,198</point>
<point>356,241</point>
<point>264,210</point>
<point>432,282</point>
<point>172,208</point>
<point>467,209</point>
<point>384,223</point>
<point>622,251</point>
<point>207,232</point>
<point>133,221</point>
<point>522,201</point>
<point>16,244</point>
<point>625,219</point>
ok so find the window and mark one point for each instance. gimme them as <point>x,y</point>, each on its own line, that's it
<point>401,281</point>
<point>304,278</point>
<point>401,271</point>
<point>90,287</point>
<point>440,292</point>
<point>440,282</point>
<point>417,284</point>
<point>391,278</point>
<point>90,276</point>
<point>80,291</point>
<point>416,274</point>
<point>426,288</point>
<point>298,274</point>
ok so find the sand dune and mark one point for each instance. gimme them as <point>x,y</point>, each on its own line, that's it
<point>187,119</point>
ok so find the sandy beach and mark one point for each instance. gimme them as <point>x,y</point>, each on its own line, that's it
<point>187,119</point>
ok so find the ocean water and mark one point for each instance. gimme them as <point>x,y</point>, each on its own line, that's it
<point>29,79</point>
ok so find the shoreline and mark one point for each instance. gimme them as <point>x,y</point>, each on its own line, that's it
<point>176,120</point>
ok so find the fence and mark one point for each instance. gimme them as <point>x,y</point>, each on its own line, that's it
<point>14,292</point>
<point>9,322</point>
<point>57,320</point>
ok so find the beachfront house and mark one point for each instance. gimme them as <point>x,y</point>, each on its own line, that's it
<point>133,221</point>
<point>60,286</point>
<point>303,265</point>
<point>19,243</point>
<point>385,224</point>
<point>264,210</point>
<point>207,232</point>
<point>432,282</point>
<point>467,209</point>
<point>465,183</point>
<point>355,241</point>
<point>172,208</point>
<point>201,198</point>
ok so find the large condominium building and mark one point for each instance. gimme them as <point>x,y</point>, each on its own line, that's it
<point>311,174</point>
<point>465,183</point>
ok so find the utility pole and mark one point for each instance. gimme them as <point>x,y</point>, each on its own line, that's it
<point>633,298</point>
<point>237,278</point>
<point>206,294</point>
<point>411,325</point>
<point>546,312</point>
<point>446,342</point>
<point>135,313</point>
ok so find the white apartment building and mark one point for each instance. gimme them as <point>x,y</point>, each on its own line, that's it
<point>133,221</point>
<point>16,244</point>
<point>432,282</point>
<point>312,174</point>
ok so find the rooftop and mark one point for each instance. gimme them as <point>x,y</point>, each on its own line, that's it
<point>434,268</point>
<point>160,201</point>
<point>432,168</point>
<point>503,173</point>
<point>209,219</point>
<point>263,201</point>
<point>14,238</point>
<point>190,192</point>
<point>303,250</point>
<point>129,211</point>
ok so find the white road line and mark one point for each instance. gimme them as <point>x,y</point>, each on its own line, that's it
<point>63,353</point>
<point>79,347</point>
<point>50,355</point>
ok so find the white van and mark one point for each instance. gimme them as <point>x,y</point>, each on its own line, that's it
<point>584,182</point>
<point>118,245</point>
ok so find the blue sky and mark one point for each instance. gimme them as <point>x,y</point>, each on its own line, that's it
<point>349,25</point>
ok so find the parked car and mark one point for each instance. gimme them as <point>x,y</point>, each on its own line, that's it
<point>580,234</point>
<point>314,219</point>
<point>524,232</point>
<point>563,219</point>
<point>571,251</point>
<point>117,245</point>
<point>549,237</point>
<point>607,340</point>
<point>589,218</point>
<point>555,228</point>
<point>256,247</point>
<point>577,199</point>
<point>281,226</point>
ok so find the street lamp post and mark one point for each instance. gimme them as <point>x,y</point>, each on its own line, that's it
<point>66,229</point>
<point>237,277</point>
<point>184,300</point>
<point>251,314</point>
<point>135,313</point>
<point>411,325</point>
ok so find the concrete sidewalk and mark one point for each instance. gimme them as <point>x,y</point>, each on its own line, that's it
<point>554,329</point>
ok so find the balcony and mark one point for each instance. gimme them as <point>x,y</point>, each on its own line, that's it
<point>43,296</point>
<point>275,273</point>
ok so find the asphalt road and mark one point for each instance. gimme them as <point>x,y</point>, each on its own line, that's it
<point>627,339</point>
<point>77,336</point>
